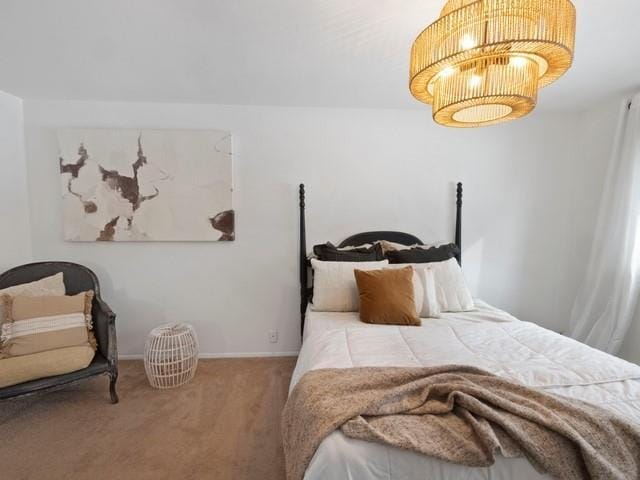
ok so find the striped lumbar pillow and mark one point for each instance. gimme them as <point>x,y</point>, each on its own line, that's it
<point>38,324</point>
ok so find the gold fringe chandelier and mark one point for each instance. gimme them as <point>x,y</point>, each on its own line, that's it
<point>483,61</point>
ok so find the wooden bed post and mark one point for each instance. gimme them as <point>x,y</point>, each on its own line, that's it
<point>304,300</point>
<point>459,222</point>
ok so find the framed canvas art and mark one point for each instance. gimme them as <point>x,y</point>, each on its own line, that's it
<point>146,185</point>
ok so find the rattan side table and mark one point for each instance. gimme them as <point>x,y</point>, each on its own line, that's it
<point>171,355</point>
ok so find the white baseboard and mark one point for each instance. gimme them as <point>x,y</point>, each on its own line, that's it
<point>139,356</point>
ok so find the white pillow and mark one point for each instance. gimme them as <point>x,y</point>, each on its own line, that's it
<point>52,286</point>
<point>430,306</point>
<point>334,285</point>
<point>451,289</point>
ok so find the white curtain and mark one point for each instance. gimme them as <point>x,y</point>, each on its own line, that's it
<point>607,300</point>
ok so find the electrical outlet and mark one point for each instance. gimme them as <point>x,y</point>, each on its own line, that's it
<point>273,336</point>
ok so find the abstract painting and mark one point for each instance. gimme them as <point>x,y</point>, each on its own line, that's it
<point>146,185</point>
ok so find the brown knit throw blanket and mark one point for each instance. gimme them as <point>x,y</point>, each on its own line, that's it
<point>459,414</point>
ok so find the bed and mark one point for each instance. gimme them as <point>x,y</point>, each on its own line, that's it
<point>487,337</point>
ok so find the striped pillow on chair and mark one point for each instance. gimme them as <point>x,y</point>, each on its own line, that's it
<point>38,324</point>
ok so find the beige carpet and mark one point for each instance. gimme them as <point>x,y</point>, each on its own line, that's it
<point>225,424</point>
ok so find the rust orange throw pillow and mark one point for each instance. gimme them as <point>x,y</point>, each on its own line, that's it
<point>386,297</point>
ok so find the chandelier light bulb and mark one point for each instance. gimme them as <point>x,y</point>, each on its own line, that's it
<point>447,72</point>
<point>467,42</point>
<point>475,81</point>
<point>518,62</point>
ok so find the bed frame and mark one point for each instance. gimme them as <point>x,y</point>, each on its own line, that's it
<point>306,291</point>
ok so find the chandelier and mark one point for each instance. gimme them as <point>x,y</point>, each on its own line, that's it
<point>483,61</point>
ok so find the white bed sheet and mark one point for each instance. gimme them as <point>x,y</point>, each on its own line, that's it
<point>487,338</point>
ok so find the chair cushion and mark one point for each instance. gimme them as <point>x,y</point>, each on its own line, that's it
<point>15,370</point>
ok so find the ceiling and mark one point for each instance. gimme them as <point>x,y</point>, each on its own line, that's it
<point>328,53</point>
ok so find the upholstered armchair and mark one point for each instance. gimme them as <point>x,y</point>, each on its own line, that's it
<point>77,278</point>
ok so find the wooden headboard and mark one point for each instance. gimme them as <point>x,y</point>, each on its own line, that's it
<point>360,239</point>
<point>371,237</point>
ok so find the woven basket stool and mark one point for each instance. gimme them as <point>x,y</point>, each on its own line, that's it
<point>171,355</point>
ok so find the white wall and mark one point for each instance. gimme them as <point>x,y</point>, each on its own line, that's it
<point>528,205</point>
<point>15,242</point>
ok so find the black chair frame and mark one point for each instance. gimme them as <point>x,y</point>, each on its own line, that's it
<point>77,278</point>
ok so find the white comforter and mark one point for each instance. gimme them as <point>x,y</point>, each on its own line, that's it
<point>487,338</point>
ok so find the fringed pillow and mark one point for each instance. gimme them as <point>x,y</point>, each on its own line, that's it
<point>39,324</point>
